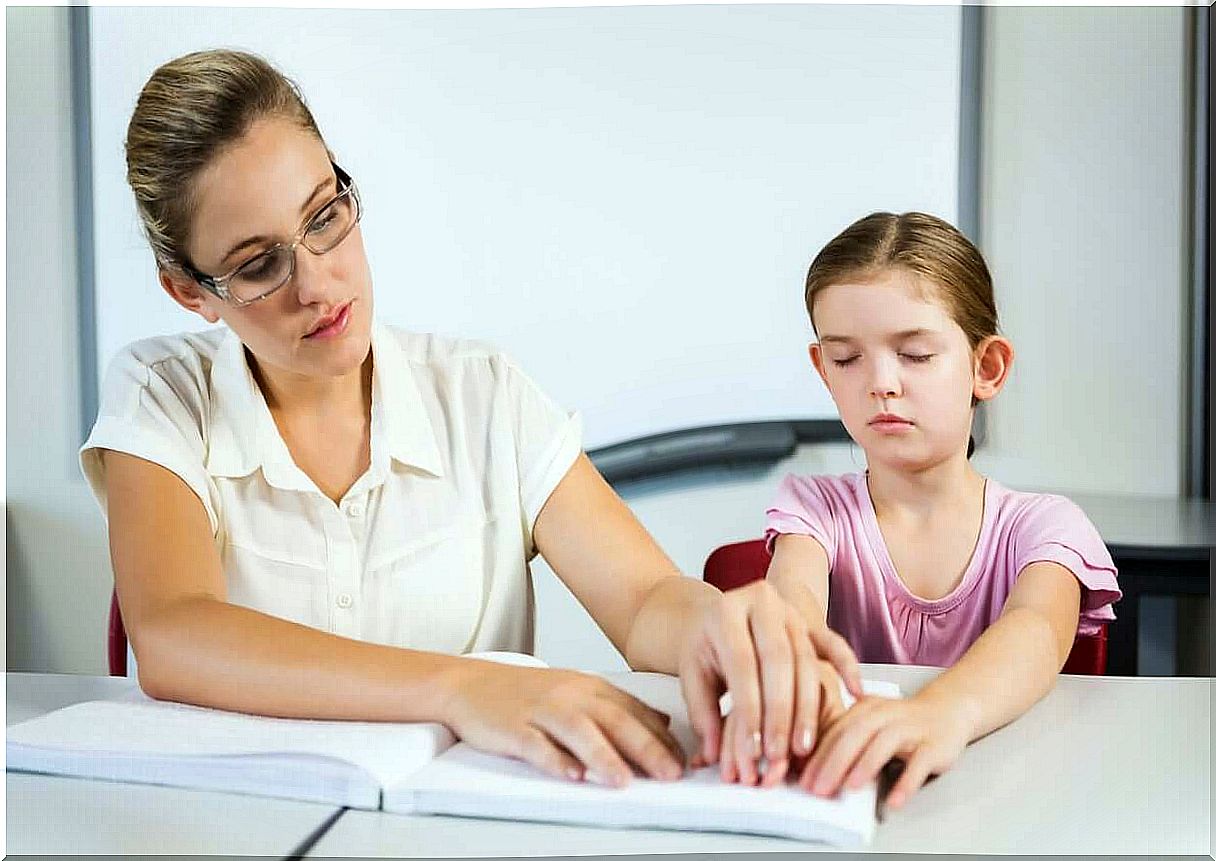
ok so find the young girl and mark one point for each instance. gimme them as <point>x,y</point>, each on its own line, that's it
<point>312,514</point>
<point>921,559</point>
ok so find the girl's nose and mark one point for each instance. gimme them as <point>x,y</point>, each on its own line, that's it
<point>884,381</point>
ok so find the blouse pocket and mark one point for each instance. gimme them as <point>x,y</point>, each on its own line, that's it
<point>277,586</point>
<point>429,593</point>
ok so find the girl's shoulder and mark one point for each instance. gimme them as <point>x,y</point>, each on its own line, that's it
<point>833,494</point>
<point>1023,510</point>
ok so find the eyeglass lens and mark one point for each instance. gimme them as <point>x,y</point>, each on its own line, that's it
<point>267,272</point>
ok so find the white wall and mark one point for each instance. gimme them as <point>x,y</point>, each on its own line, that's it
<point>58,565</point>
<point>1082,219</point>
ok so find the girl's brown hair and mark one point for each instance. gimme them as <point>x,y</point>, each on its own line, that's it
<point>921,244</point>
<point>188,111</point>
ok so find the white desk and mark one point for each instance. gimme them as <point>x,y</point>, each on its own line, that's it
<point>66,816</point>
<point>1101,766</point>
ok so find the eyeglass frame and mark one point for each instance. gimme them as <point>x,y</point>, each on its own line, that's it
<point>218,285</point>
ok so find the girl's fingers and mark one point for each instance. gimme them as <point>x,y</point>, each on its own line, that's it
<point>878,752</point>
<point>916,771</point>
<point>839,749</point>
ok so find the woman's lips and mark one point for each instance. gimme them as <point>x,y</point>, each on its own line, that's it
<point>334,329</point>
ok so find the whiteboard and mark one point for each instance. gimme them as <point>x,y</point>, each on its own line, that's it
<point>624,199</point>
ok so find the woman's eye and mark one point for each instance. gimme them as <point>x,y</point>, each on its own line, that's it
<point>840,363</point>
<point>322,221</point>
<point>917,357</point>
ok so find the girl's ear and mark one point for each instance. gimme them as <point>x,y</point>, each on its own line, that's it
<point>816,353</point>
<point>993,361</point>
<point>185,292</point>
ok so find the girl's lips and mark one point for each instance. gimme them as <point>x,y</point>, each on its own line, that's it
<point>891,425</point>
<point>334,329</point>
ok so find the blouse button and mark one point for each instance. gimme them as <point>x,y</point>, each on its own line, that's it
<point>355,509</point>
<point>345,600</point>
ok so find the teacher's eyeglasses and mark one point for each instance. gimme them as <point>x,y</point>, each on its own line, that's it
<point>257,278</point>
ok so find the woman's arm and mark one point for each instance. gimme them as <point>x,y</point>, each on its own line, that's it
<point>1008,669</point>
<point>749,641</point>
<point>193,646</point>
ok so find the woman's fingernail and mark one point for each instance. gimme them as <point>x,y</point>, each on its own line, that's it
<point>574,774</point>
<point>776,747</point>
<point>806,739</point>
<point>757,744</point>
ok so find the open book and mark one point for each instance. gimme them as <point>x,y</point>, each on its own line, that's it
<point>415,768</point>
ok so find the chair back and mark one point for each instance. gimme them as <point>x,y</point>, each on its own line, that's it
<point>116,639</point>
<point>733,565</point>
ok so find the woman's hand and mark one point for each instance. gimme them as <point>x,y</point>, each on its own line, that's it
<point>759,647</point>
<point>927,734</point>
<point>831,707</point>
<point>569,724</point>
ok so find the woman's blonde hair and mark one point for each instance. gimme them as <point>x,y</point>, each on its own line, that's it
<point>924,245</point>
<point>188,111</point>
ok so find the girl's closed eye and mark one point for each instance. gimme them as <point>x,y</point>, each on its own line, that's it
<point>847,360</point>
<point>917,357</point>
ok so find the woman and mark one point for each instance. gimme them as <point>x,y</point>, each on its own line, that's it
<point>311,514</point>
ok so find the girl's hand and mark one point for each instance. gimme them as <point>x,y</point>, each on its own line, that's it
<point>926,734</point>
<point>831,707</point>
<point>569,724</point>
<point>756,645</point>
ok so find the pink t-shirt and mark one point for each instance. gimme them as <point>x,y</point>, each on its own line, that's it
<point>884,622</point>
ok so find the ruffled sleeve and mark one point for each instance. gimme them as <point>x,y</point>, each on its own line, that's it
<point>801,508</point>
<point>1057,530</point>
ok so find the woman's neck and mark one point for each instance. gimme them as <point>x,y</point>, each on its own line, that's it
<point>295,396</point>
<point>952,485</point>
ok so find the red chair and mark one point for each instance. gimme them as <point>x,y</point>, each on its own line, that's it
<point>116,639</point>
<point>734,565</point>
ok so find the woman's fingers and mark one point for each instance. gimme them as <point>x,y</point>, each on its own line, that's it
<point>585,740</point>
<point>536,747</point>
<point>806,697</point>
<point>743,682</point>
<point>652,749</point>
<point>776,658</point>
<point>702,689</point>
<point>835,650</point>
<point>727,769</point>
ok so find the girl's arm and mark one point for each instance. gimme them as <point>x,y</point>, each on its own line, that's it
<point>1008,669</point>
<point>749,640</point>
<point>191,645</point>
<point>799,572</point>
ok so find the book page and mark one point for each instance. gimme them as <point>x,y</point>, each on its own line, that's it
<point>466,782</point>
<point>143,726</point>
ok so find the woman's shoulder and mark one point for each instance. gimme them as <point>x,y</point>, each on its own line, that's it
<point>181,359</point>
<point>429,350</point>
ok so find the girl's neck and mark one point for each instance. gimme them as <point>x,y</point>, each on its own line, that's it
<point>923,494</point>
<point>294,396</point>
